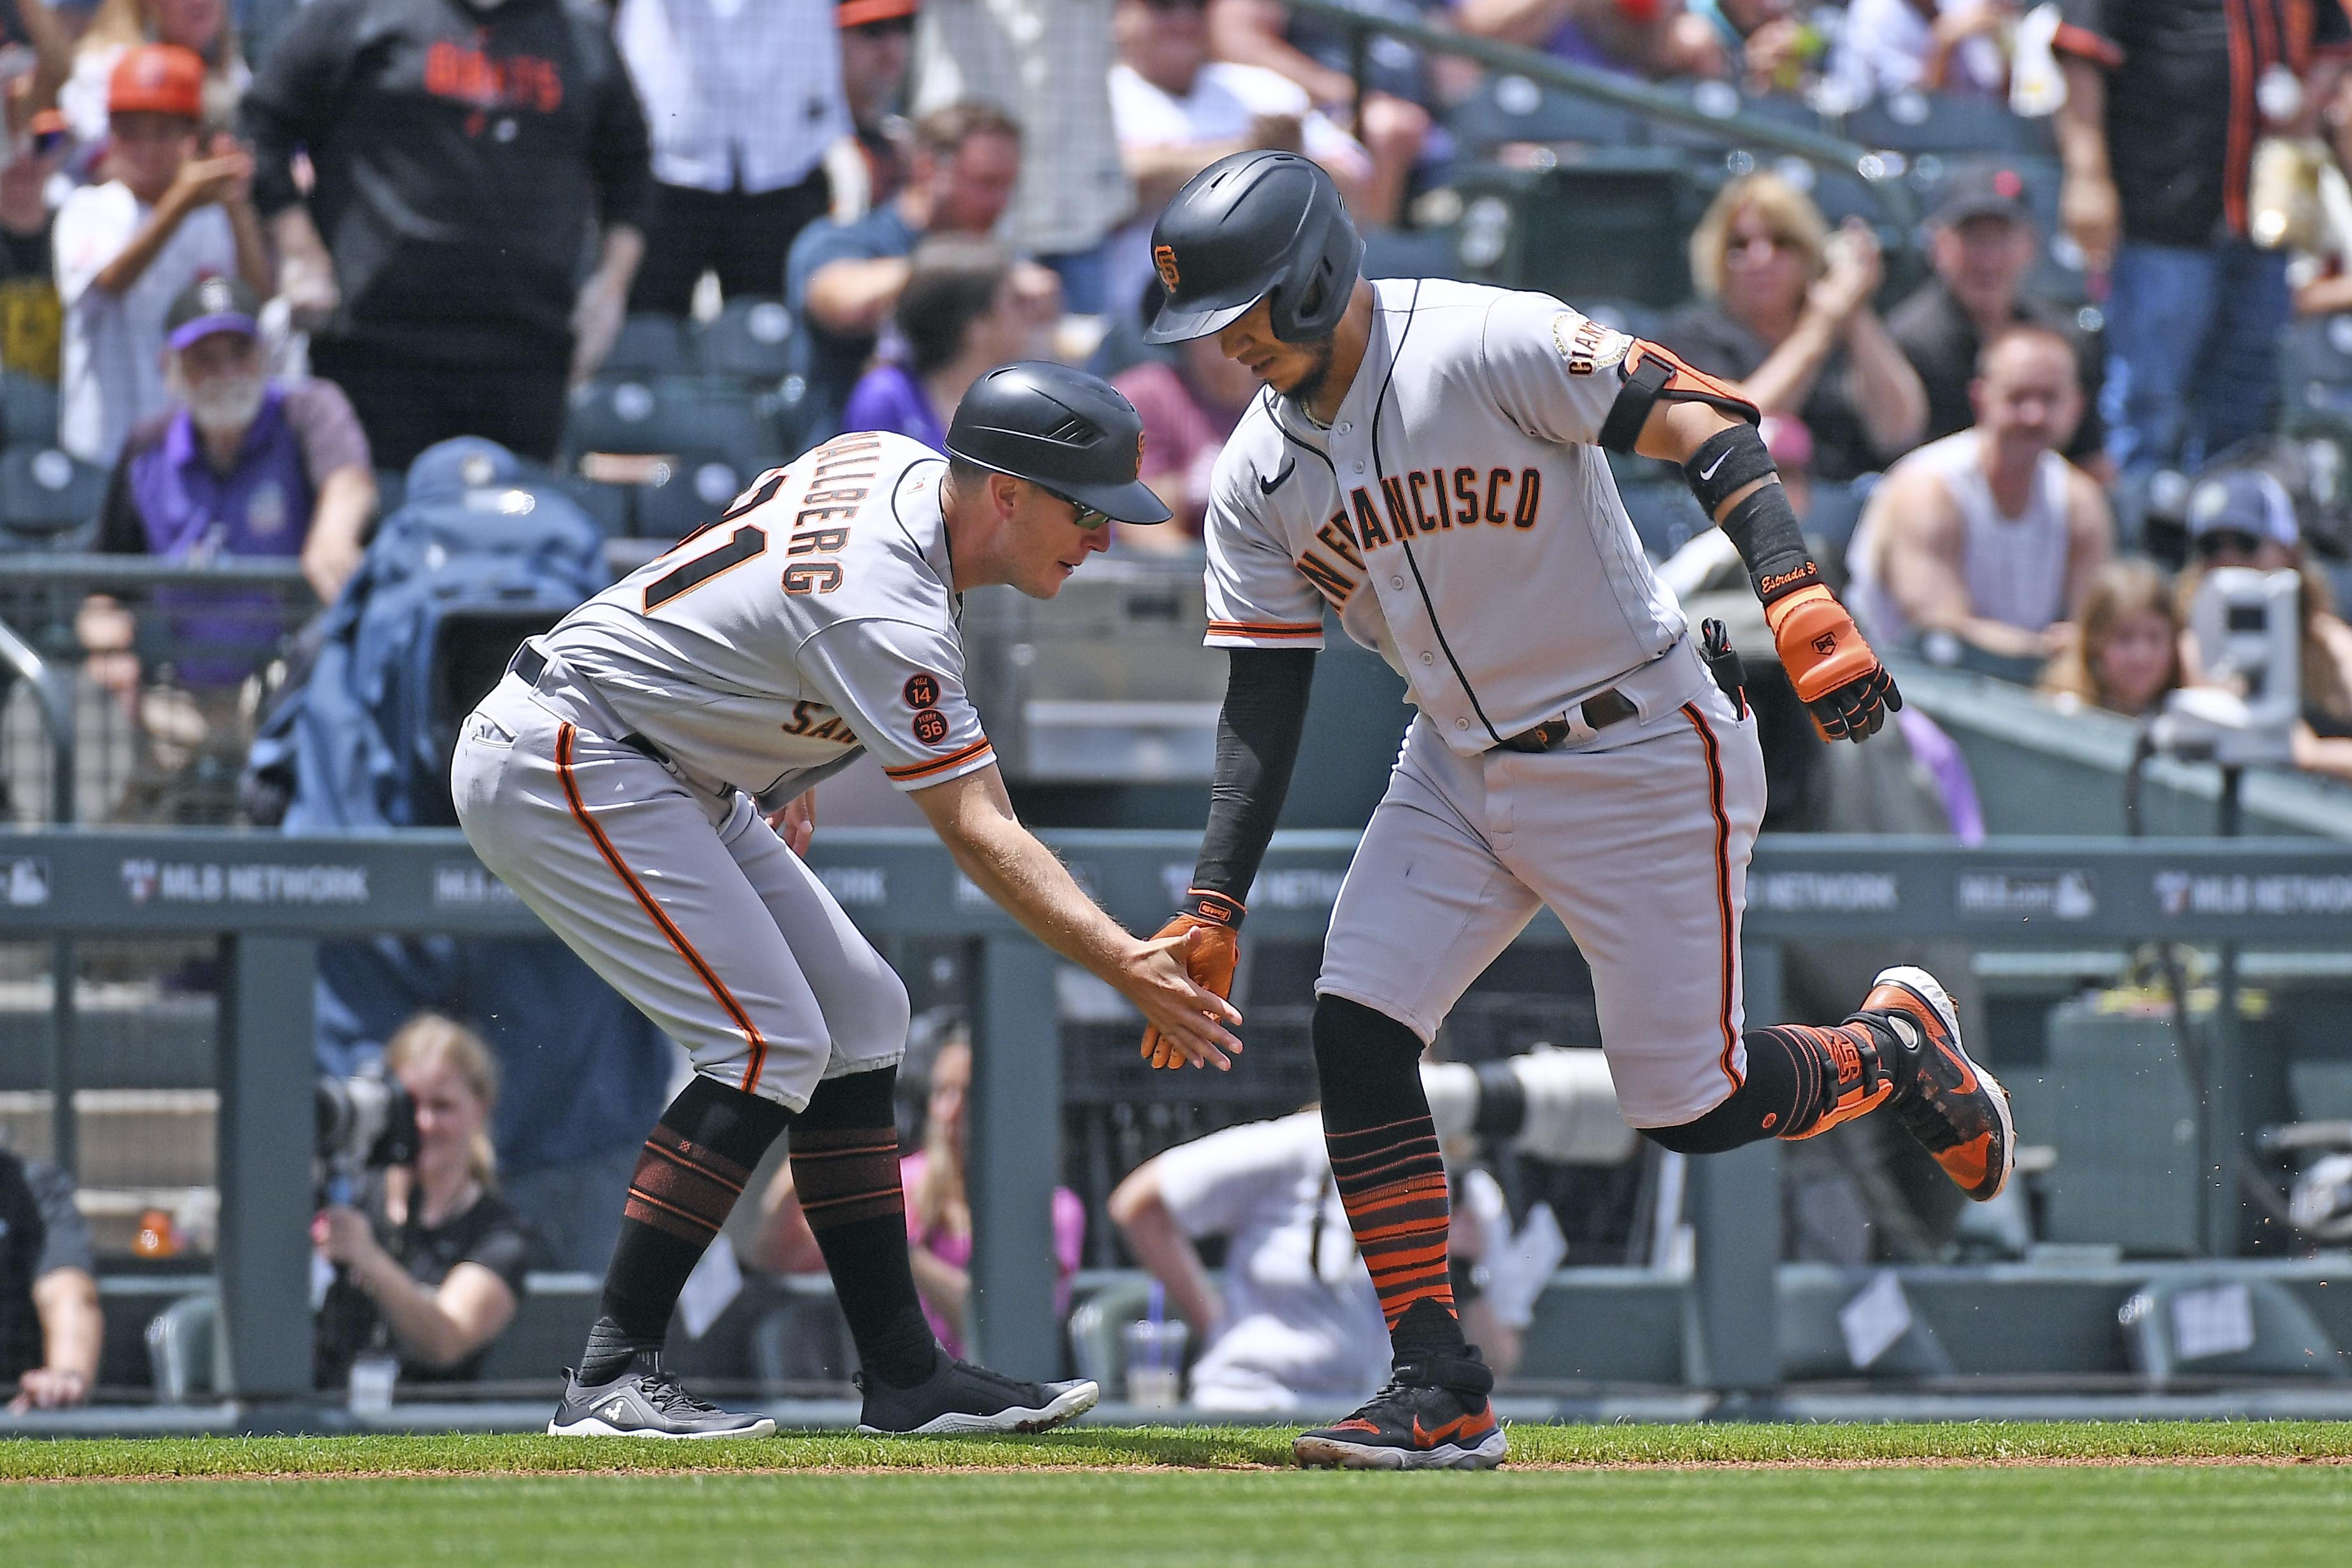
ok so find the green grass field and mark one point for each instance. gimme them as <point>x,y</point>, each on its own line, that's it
<point>2146,1495</point>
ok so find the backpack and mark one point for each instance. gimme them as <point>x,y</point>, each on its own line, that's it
<point>451,584</point>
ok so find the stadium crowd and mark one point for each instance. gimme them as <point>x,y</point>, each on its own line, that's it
<point>268,254</point>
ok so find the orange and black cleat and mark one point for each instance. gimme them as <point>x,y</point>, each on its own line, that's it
<point>1432,1415</point>
<point>1957,1110</point>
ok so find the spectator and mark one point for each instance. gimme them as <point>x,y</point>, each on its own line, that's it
<point>742,107</point>
<point>202,27</point>
<point>127,248</point>
<point>1785,309</point>
<point>40,49</point>
<point>2245,517</point>
<point>869,166</point>
<point>433,1271</point>
<point>1654,38</point>
<point>1297,1325</point>
<point>32,320</point>
<point>461,154</point>
<point>958,317</point>
<point>1391,115</point>
<point>2163,101</point>
<point>241,465</point>
<point>2128,656</point>
<point>844,279</point>
<point>1989,534</point>
<point>1938,45</point>
<point>938,1214</point>
<point>1982,240</point>
<point>1177,112</point>
<point>50,1329</point>
<point>1772,46</point>
<point>1189,410</point>
<point>1046,63</point>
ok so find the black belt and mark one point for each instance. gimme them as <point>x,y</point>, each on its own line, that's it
<point>1600,709</point>
<point>530,664</point>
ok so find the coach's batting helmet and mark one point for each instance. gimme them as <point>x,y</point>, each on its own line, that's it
<point>1250,227</point>
<point>1060,428</point>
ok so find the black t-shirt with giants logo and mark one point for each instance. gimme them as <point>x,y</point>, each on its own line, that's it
<point>462,155</point>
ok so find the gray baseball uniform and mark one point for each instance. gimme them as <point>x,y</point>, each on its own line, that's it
<point>1460,522</point>
<point>615,779</point>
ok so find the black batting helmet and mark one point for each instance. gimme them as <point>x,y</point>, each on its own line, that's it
<point>1250,227</point>
<point>1062,429</point>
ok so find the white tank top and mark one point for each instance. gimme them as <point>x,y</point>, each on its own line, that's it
<point>2015,567</point>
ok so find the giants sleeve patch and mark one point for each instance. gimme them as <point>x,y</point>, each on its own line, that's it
<point>1586,344</point>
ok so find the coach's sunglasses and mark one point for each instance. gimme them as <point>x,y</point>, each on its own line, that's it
<point>2221,541</point>
<point>1088,517</point>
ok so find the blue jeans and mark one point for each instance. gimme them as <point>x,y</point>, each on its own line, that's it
<point>1085,278</point>
<point>2192,352</point>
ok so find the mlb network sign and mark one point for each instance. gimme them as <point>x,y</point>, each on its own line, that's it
<point>209,882</point>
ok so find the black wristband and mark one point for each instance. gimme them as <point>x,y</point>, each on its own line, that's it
<point>1763,528</point>
<point>1212,908</point>
<point>1725,463</point>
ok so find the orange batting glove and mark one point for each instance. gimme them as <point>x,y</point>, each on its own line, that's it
<point>1209,957</point>
<point>1837,677</point>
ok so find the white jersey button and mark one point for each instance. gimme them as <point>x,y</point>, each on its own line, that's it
<point>1462,723</point>
<point>1359,468</point>
<point>1345,428</point>
<point>1396,582</point>
<point>1426,659</point>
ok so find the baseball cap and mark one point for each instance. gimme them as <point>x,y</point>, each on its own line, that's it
<point>157,78</point>
<point>864,13</point>
<point>2243,501</point>
<point>212,305</point>
<point>1981,190</point>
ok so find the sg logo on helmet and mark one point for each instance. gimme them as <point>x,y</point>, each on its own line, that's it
<point>1163,258</point>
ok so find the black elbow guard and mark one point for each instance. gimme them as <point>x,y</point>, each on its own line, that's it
<point>1652,376</point>
<point>1725,463</point>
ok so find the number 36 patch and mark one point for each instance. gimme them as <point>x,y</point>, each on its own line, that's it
<point>931,726</point>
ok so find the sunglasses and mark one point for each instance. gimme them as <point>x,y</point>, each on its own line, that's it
<point>2228,542</point>
<point>1086,518</point>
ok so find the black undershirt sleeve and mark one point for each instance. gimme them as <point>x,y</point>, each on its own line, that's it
<point>1257,745</point>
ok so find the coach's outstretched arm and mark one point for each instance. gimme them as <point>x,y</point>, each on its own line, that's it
<point>1837,676</point>
<point>973,817</point>
<point>1258,745</point>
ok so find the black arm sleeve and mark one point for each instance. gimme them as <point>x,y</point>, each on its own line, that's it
<point>1257,745</point>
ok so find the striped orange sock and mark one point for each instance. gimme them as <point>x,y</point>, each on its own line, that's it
<point>1392,1180</point>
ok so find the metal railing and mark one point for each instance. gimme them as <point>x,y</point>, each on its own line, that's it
<point>1751,131</point>
<point>271,899</point>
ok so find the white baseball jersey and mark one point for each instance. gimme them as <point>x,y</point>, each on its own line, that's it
<point>817,617</point>
<point>1455,513</point>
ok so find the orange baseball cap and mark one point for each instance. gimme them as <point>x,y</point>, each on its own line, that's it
<point>158,79</point>
<point>860,13</point>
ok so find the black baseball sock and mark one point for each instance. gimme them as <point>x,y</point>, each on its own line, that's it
<point>845,1168</point>
<point>1801,1080</point>
<point>692,1171</point>
<point>1389,1174</point>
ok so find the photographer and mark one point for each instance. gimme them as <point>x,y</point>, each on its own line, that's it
<point>433,1270</point>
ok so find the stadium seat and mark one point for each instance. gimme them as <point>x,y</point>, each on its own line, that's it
<point>1409,253</point>
<point>1098,1330</point>
<point>682,495</point>
<point>180,1347</point>
<point>751,340</point>
<point>1513,109</point>
<point>1666,515</point>
<point>611,505</point>
<point>1828,1314</point>
<point>29,410</point>
<point>2224,1326</point>
<point>1912,122</point>
<point>670,414</point>
<point>2315,373</point>
<point>649,345</point>
<point>45,495</point>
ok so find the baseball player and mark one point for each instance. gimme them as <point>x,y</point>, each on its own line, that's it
<point>1426,462</point>
<point>627,777</point>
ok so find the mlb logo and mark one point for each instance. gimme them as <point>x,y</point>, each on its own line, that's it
<point>138,879</point>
